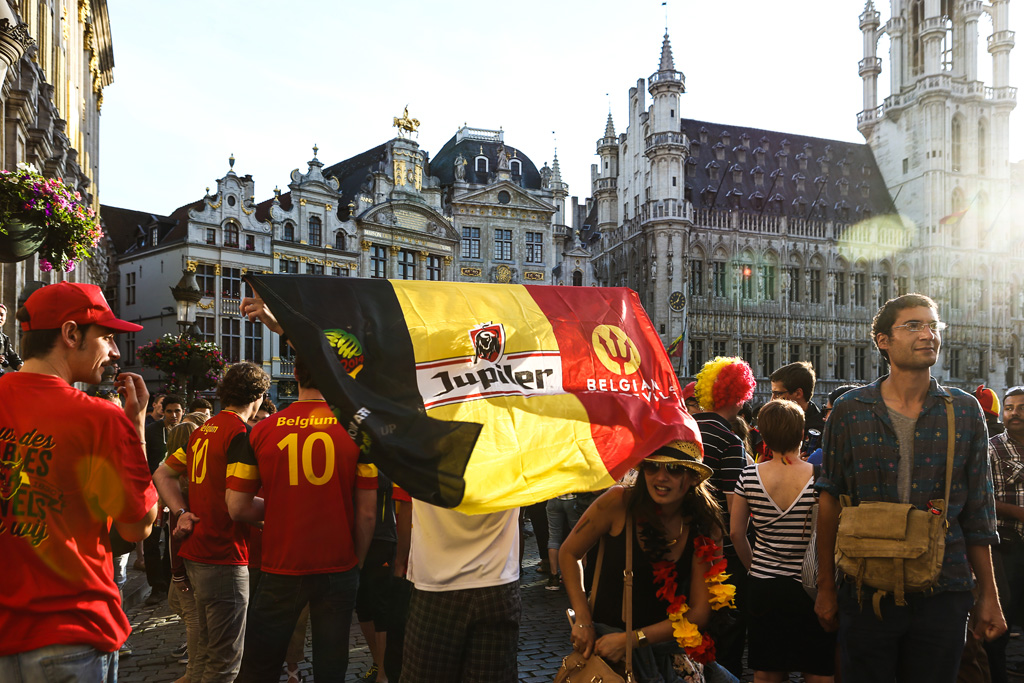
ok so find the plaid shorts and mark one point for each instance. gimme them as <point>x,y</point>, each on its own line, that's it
<point>467,635</point>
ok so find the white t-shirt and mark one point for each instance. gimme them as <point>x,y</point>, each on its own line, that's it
<point>454,551</point>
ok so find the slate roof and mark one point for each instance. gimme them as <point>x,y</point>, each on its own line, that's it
<point>123,226</point>
<point>802,176</point>
<point>353,173</point>
<point>443,164</point>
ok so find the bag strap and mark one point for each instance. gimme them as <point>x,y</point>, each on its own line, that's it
<point>950,447</point>
<point>627,597</point>
<point>597,574</point>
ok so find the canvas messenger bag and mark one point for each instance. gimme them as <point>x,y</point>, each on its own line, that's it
<point>894,547</point>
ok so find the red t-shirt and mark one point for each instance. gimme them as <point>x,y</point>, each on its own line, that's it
<point>309,468</point>
<point>68,464</point>
<point>217,539</point>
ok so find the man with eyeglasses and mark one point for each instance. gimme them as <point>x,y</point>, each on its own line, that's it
<point>795,382</point>
<point>1006,451</point>
<point>887,441</point>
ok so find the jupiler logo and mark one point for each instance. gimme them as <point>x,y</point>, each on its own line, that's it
<point>488,341</point>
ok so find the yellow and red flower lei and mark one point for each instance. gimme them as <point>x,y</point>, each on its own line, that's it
<point>699,646</point>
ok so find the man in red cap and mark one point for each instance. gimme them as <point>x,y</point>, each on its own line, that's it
<point>990,406</point>
<point>69,463</point>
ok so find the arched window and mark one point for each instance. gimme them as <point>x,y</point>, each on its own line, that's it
<point>577,278</point>
<point>982,142</point>
<point>956,135</point>
<point>480,164</point>
<point>316,238</point>
<point>954,221</point>
<point>339,241</point>
<point>916,48</point>
<point>231,235</point>
<point>288,232</point>
<point>516,167</point>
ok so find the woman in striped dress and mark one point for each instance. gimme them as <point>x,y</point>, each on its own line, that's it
<point>776,496</point>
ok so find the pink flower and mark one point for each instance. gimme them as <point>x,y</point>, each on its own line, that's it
<point>45,265</point>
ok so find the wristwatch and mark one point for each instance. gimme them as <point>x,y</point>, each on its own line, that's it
<point>641,637</point>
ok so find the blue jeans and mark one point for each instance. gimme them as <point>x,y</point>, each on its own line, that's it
<point>654,664</point>
<point>274,611</point>
<point>562,517</point>
<point>60,664</point>
<point>919,642</point>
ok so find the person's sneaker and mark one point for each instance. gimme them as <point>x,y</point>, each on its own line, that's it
<point>180,651</point>
<point>370,676</point>
<point>554,583</point>
<point>125,650</point>
<point>544,567</point>
<point>184,658</point>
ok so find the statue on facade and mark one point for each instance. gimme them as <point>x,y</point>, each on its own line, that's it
<point>502,158</point>
<point>545,176</point>
<point>460,167</point>
<point>654,269</point>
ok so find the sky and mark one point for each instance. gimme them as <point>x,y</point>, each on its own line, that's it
<point>265,81</point>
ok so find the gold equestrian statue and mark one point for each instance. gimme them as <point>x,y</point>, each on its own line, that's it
<point>405,123</point>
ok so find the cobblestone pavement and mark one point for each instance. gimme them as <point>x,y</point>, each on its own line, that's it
<point>543,634</point>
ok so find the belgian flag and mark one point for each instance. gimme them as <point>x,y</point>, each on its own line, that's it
<point>483,397</point>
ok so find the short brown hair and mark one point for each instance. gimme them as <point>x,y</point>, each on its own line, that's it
<point>886,316</point>
<point>243,383</point>
<point>39,343</point>
<point>782,425</point>
<point>302,374</point>
<point>799,375</point>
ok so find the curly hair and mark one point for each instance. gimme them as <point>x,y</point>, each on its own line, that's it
<point>724,381</point>
<point>242,384</point>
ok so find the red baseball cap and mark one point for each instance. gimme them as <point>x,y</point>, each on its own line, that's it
<point>689,390</point>
<point>51,306</point>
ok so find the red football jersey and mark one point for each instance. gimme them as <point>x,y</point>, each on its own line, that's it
<point>217,538</point>
<point>309,468</point>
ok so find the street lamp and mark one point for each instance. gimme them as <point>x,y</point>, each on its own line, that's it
<point>186,295</point>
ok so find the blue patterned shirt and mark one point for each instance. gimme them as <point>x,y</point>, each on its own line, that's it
<point>861,453</point>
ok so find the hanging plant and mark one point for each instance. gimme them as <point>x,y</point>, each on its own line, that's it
<point>46,217</point>
<point>189,365</point>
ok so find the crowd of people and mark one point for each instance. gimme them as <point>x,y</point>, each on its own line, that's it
<point>255,522</point>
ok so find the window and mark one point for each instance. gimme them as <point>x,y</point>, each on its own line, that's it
<point>860,363</point>
<point>211,236</point>
<point>746,281</point>
<point>154,235</point>
<point>535,247</point>
<point>955,287</point>
<point>696,355</point>
<point>956,145</point>
<point>254,342</point>
<point>814,357</point>
<point>250,243</point>
<point>768,358</point>
<point>718,346</point>
<point>981,148</point>
<point>516,167</point>
<point>314,268</point>
<point>129,349</point>
<point>577,281</point>
<point>285,351</point>
<point>840,362</point>
<point>747,349</point>
<point>231,235</point>
<point>339,241</point>
<point>379,262</point>
<point>902,285</point>
<point>718,278</point>
<point>406,265</point>
<point>860,289</point>
<point>205,279</point>
<point>231,283</point>
<point>883,289</point>
<point>768,282</point>
<point>471,243</point>
<point>794,353</point>
<point>284,266</point>
<point>434,268</point>
<point>815,286</point>
<point>230,339</point>
<point>129,288</point>
<point>481,165</point>
<point>288,232</point>
<point>696,279</point>
<point>794,284</point>
<point>502,244</point>
<point>315,232</point>
<point>205,327</point>
<point>840,294</point>
<point>954,362</point>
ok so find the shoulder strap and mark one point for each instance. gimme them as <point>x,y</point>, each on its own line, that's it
<point>627,597</point>
<point>597,574</point>
<point>950,446</point>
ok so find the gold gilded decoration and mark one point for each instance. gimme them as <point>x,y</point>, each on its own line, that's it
<point>533,275</point>
<point>217,205</point>
<point>400,171</point>
<point>417,177</point>
<point>471,272</point>
<point>406,124</point>
<point>424,255</point>
<point>504,274</point>
<point>394,248</point>
<point>366,244</point>
<point>206,307</point>
<point>216,269</point>
<point>615,350</point>
<point>190,266</point>
<point>247,212</point>
<point>328,207</point>
<point>448,260</point>
<point>302,202</point>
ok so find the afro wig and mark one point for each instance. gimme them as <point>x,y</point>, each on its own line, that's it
<point>724,382</point>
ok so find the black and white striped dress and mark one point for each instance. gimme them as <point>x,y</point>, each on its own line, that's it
<point>781,536</point>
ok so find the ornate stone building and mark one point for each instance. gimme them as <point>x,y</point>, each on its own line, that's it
<point>778,246</point>
<point>56,58</point>
<point>480,211</point>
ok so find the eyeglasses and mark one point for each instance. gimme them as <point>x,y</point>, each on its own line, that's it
<point>779,394</point>
<point>675,469</point>
<point>915,326</point>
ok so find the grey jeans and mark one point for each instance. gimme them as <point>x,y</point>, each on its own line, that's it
<point>60,664</point>
<point>222,597</point>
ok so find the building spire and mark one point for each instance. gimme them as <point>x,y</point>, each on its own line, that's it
<point>666,55</point>
<point>609,128</point>
<point>556,173</point>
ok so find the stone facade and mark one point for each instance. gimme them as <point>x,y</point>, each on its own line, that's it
<point>778,247</point>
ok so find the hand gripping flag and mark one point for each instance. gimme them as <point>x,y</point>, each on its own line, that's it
<point>484,397</point>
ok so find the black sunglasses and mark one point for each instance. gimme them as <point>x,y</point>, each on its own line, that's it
<point>674,468</point>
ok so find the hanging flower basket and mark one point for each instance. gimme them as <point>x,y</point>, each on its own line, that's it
<point>189,365</point>
<point>44,216</point>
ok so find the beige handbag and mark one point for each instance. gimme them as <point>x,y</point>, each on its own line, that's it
<point>894,547</point>
<point>596,670</point>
